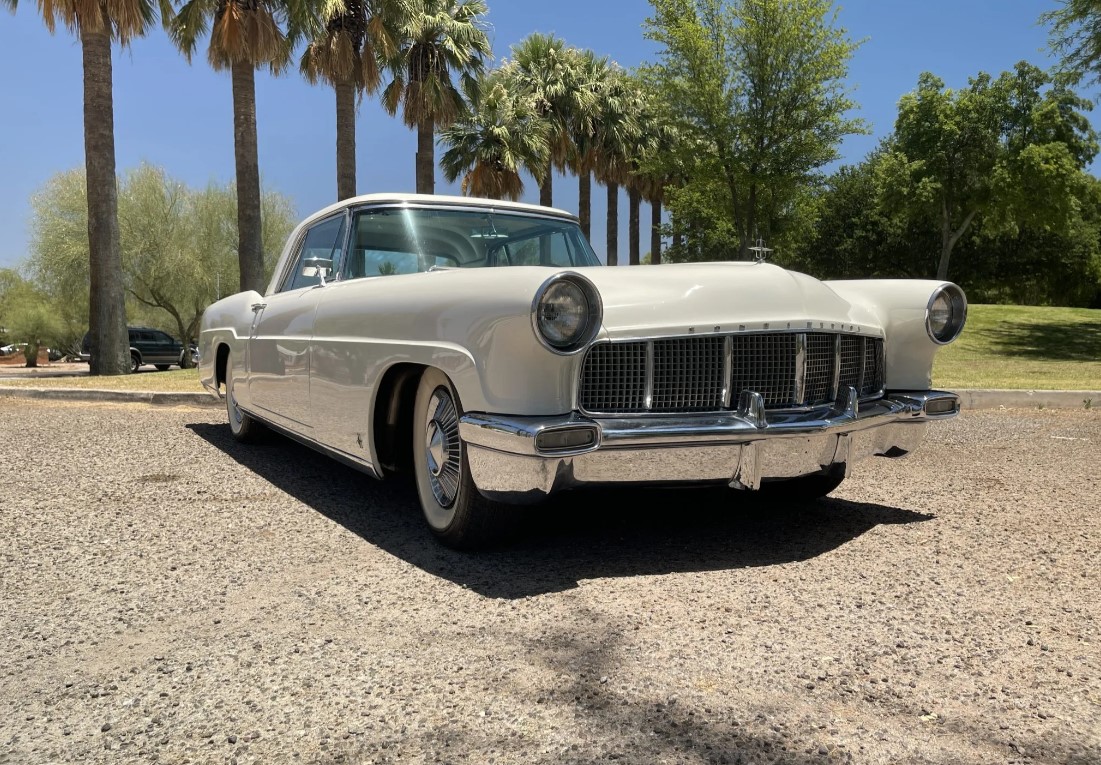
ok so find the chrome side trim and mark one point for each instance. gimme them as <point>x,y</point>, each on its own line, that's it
<point>342,457</point>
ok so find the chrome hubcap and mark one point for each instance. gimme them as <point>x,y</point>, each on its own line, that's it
<point>437,448</point>
<point>442,452</point>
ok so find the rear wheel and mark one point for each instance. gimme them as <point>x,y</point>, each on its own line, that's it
<point>244,428</point>
<point>458,515</point>
<point>135,362</point>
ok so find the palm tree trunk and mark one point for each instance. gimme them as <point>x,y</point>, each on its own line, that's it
<point>613,224</point>
<point>634,201</point>
<point>584,201</point>
<point>345,140</point>
<point>426,157</point>
<point>107,300</point>
<point>250,254</point>
<point>655,232</point>
<point>546,189</point>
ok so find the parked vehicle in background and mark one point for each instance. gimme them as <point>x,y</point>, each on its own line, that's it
<point>147,346</point>
<point>481,346</point>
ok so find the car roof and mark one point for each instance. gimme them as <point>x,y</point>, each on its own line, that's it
<point>436,200</point>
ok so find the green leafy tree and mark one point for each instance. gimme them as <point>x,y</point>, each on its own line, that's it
<point>756,89</point>
<point>179,248</point>
<point>1075,36</point>
<point>60,258</point>
<point>244,36</point>
<point>436,40</point>
<point>853,237</point>
<point>1011,150</point>
<point>28,315</point>
<point>97,25</point>
<point>349,39</point>
<point>501,134</point>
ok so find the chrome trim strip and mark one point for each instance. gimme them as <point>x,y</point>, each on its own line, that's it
<point>798,388</point>
<point>836,367</point>
<point>860,332</point>
<point>648,391</point>
<point>475,205</point>
<point>728,371</point>
<point>863,365</point>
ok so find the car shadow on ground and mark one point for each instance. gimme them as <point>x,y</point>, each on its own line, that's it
<point>574,536</point>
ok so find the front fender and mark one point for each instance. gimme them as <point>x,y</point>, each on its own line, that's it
<point>900,306</point>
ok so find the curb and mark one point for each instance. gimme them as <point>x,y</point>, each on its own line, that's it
<point>114,396</point>
<point>1028,399</point>
<point>969,398</point>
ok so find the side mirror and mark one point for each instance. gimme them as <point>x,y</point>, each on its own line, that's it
<point>319,267</point>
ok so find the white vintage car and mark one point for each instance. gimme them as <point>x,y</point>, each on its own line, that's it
<point>481,345</point>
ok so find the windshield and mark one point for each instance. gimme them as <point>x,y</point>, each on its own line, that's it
<point>404,240</point>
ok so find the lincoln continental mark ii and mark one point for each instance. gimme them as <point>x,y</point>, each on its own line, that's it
<point>482,346</point>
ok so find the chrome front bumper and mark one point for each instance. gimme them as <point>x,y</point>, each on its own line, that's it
<point>740,448</point>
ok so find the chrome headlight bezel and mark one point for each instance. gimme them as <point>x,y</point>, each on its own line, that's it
<point>957,302</point>
<point>594,313</point>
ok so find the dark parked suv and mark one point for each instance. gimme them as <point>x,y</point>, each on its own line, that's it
<point>147,346</point>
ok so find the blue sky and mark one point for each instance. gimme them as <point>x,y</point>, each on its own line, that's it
<point>179,116</point>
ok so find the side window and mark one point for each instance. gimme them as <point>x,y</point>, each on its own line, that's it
<point>323,240</point>
<point>549,250</point>
<point>162,338</point>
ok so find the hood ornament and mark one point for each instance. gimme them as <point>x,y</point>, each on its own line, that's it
<point>760,252</point>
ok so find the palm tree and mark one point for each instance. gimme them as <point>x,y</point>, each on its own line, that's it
<point>97,24</point>
<point>615,142</point>
<point>552,75</point>
<point>436,39</point>
<point>650,169</point>
<point>591,73</point>
<point>500,134</point>
<point>244,35</point>
<point>344,50</point>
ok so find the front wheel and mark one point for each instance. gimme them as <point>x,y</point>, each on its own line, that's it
<point>458,515</point>
<point>243,427</point>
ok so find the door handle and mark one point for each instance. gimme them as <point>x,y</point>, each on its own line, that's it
<point>258,307</point>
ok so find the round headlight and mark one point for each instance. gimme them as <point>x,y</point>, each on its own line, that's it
<point>946,313</point>
<point>566,312</point>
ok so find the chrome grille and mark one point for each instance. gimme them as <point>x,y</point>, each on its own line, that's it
<point>706,374</point>
<point>852,358</point>
<point>688,374</point>
<point>766,363</point>
<point>614,378</point>
<point>874,372</point>
<point>818,380</point>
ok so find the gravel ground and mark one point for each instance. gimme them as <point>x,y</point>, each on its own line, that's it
<point>167,595</point>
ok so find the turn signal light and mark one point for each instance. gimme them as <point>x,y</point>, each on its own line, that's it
<point>561,439</point>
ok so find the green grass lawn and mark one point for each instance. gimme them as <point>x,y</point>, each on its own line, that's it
<point>1024,347</point>
<point>172,381</point>
<point>1020,347</point>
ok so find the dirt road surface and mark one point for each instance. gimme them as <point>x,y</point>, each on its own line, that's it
<point>169,596</point>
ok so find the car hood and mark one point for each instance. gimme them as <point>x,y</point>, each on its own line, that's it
<point>680,299</point>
